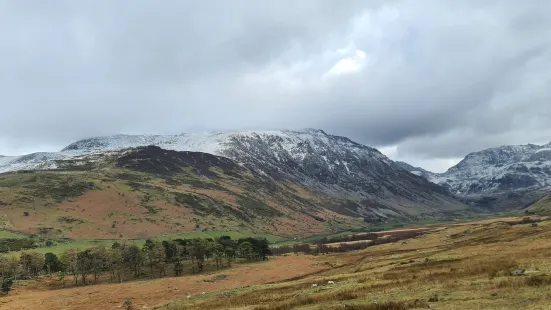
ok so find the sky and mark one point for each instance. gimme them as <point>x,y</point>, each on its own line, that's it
<point>424,81</point>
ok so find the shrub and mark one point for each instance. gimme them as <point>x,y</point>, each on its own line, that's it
<point>538,280</point>
<point>390,305</point>
<point>7,284</point>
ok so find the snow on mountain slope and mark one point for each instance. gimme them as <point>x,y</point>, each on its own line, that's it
<point>32,161</point>
<point>331,164</point>
<point>416,170</point>
<point>499,170</point>
<point>217,143</point>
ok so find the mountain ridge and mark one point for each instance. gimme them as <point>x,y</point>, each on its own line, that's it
<point>504,177</point>
<point>358,180</point>
<point>283,182</point>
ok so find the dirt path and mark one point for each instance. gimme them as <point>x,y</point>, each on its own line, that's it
<point>159,291</point>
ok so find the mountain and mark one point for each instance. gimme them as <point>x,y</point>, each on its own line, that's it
<point>416,170</point>
<point>306,181</point>
<point>504,177</point>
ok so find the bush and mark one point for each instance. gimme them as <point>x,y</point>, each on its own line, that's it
<point>7,284</point>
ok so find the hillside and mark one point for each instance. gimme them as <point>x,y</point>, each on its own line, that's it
<point>543,206</point>
<point>283,183</point>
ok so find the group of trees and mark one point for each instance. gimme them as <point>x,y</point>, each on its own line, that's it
<point>348,238</point>
<point>321,245</point>
<point>154,259</point>
<point>320,248</point>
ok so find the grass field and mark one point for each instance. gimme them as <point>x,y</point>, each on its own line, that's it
<point>457,266</point>
<point>5,234</point>
<point>464,266</point>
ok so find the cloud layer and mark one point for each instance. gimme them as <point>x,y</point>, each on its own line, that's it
<point>430,80</point>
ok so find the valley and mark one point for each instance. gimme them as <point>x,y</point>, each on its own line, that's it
<point>467,265</point>
<point>346,226</point>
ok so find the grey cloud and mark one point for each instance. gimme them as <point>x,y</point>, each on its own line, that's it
<point>436,79</point>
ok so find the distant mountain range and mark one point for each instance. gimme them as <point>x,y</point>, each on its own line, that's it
<point>306,181</point>
<point>509,176</point>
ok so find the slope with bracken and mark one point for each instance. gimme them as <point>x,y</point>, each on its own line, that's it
<point>280,182</point>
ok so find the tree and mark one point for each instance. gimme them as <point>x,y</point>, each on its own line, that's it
<point>115,263</point>
<point>229,248</point>
<point>85,264</point>
<point>218,254</point>
<point>61,277</point>
<point>69,261</point>
<point>197,250</point>
<point>245,250</point>
<point>7,284</point>
<point>170,250</point>
<point>99,258</point>
<point>133,258</point>
<point>31,263</point>
<point>263,248</point>
<point>9,266</point>
<point>52,263</point>
<point>230,254</point>
<point>155,256</point>
<point>177,259</point>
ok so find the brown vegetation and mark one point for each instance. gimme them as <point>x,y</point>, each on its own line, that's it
<point>473,270</point>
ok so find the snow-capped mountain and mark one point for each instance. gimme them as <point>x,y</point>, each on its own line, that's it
<point>330,164</point>
<point>512,176</point>
<point>500,170</point>
<point>41,160</point>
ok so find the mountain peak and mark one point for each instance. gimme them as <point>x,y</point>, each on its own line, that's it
<point>295,144</point>
<point>500,170</point>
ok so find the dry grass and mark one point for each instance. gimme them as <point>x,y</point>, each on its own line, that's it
<point>391,305</point>
<point>472,270</point>
<point>150,293</point>
<point>538,280</point>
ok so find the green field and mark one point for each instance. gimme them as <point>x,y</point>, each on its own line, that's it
<point>213,234</point>
<point>5,234</point>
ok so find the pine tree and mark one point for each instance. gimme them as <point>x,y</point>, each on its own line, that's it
<point>7,284</point>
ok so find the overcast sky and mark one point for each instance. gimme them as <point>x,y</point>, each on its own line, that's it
<point>425,81</point>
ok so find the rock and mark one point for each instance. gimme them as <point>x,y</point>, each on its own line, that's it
<point>314,285</point>
<point>330,282</point>
<point>518,272</point>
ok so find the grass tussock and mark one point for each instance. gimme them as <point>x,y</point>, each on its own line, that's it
<point>538,280</point>
<point>530,281</point>
<point>390,305</point>
<point>494,267</point>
